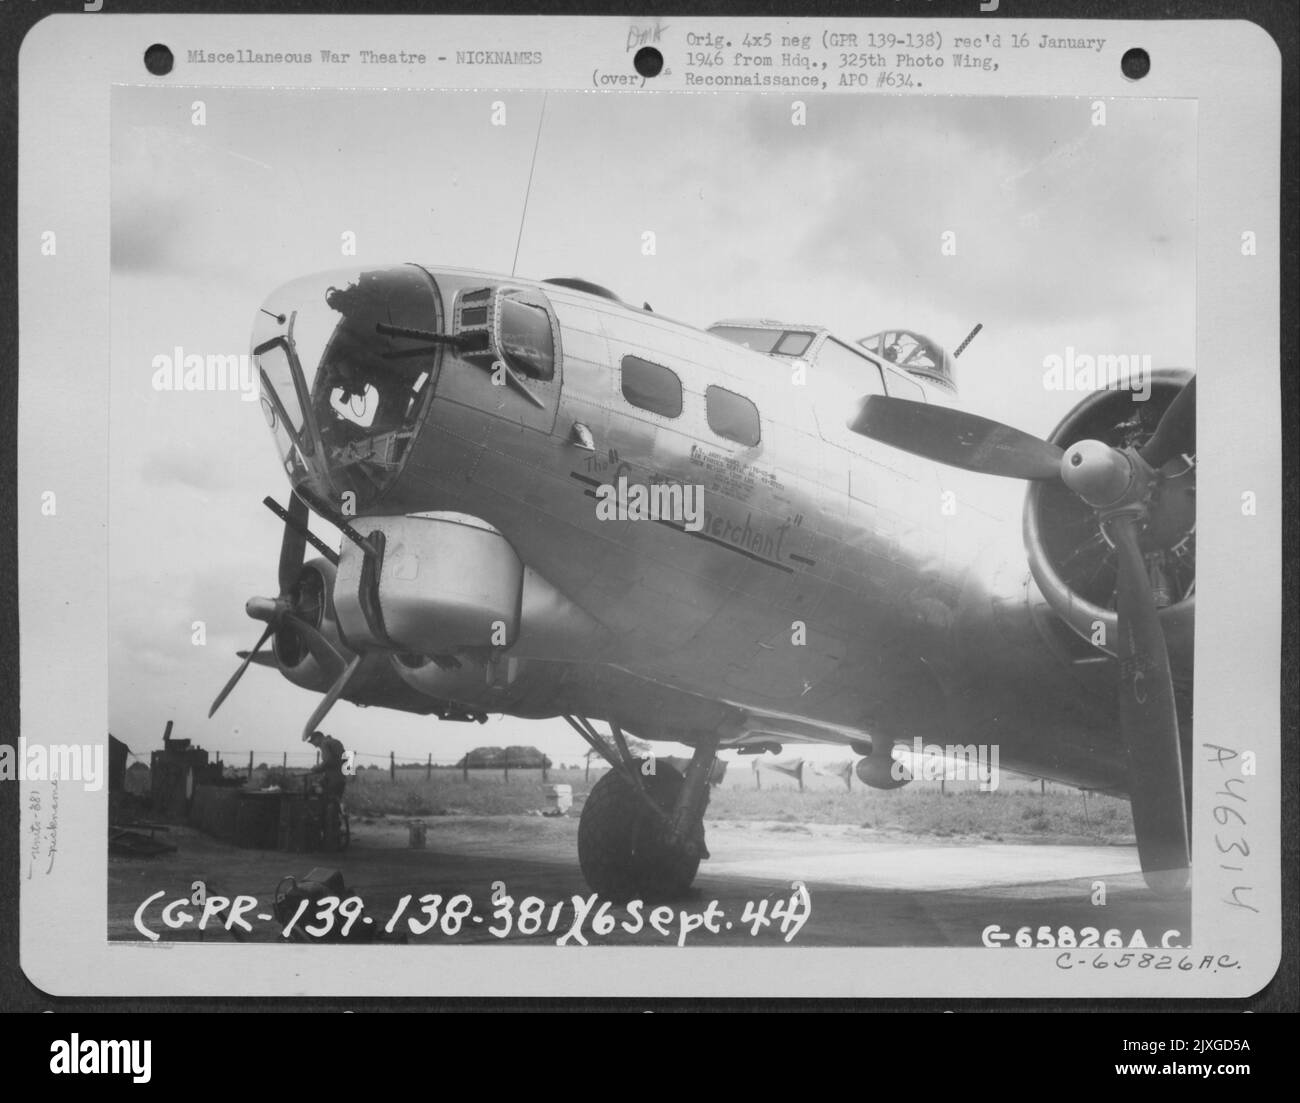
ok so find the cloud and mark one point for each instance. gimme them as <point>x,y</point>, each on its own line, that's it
<point>1053,218</point>
<point>189,468</point>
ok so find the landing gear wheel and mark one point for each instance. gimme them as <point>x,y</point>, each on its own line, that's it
<point>624,848</point>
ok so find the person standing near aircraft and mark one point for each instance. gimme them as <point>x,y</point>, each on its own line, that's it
<point>332,783</point>
<point>330,766</point>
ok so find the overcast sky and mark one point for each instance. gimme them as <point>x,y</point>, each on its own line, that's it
<point>1067,234</point>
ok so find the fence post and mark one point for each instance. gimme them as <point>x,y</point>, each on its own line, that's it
<point>250,765</point>
<point>587,775</point>
<point>545,760</point>
<point>284,761</point>
<point>465,763</point>
<point>392,765</point>
<point>428,768</point>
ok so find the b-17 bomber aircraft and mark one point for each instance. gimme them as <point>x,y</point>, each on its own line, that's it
<point>556,504</point>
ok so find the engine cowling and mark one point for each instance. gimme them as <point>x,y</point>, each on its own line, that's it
<point>311,598</point>
<point>1072,559</point>
<point>444,582</point>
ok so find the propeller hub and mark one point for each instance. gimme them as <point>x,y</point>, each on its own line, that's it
<point>1098,473</point>
<point>265,608</point>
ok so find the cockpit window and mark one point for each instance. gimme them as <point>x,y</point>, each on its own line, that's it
<point>908,351</point>
<point>525,338</point>
<point>794,343</point>
<point>771,342</point>
<point>914,353</point>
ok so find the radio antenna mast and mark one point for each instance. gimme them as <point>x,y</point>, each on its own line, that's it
<point>529,189</point>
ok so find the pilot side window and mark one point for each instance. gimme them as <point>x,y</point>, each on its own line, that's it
<point>525,340</point>
<point>651,387</point>
<point>732,416</point>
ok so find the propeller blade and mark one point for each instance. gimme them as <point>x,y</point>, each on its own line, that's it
<point>1149,721</point>
<point>329,660</point>
<point>293,543</point>
<point>1176,432</point>
<point>958,439</point>
<point>335,691</point>
<point>234,680</point>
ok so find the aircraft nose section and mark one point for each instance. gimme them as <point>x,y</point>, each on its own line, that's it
<point>346,361</point>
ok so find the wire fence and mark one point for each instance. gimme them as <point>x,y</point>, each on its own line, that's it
<point>234,764</point>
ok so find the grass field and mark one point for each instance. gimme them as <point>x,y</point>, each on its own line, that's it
<point>919,809</point>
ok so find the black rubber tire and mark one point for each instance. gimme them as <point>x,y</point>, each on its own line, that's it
<point>623,847</point>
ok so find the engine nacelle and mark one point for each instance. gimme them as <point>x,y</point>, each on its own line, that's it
<point>473,682</point>
<point>313,601</point>
<point>445,582</point>
<point>1070,558</point>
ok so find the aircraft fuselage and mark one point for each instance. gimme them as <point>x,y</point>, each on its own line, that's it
<point>831,588</point>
